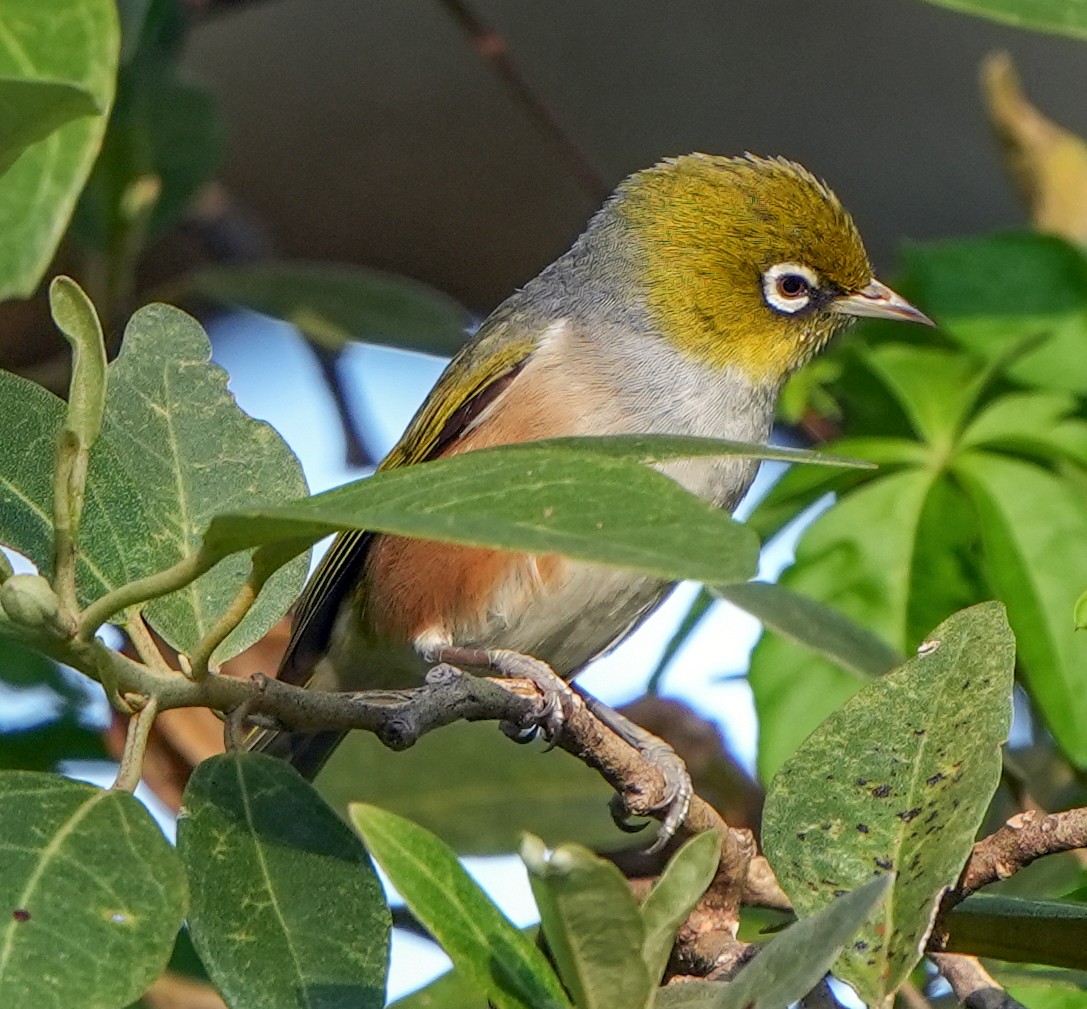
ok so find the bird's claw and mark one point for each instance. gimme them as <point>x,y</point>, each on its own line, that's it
<point>559,701</point>
<point>676,803</point>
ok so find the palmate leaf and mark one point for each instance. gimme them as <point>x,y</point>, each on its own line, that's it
<point>193,453</point>
<point>897,780</point>
<point>855,561</point>
<point>1028,519</point>
<point>74,43</point>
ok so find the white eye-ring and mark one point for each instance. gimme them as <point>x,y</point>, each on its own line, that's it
<point>788,287</point>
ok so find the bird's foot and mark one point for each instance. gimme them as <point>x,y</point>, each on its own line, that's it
<point>559,700</point>
<point>678,788</point>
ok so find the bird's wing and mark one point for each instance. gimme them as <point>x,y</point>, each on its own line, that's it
<point>474,379</point>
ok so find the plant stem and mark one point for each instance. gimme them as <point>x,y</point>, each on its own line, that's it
<point>139,727</point>
<point>145,646</point>
<point>63,527</point>
<point>161,583</point>
<point>200,657</point>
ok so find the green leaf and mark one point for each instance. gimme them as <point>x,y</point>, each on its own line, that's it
<point>492,955</point>
<point>35,108</point>
<point>286,908</point>
<point>474,789</point>
<point>194,453</point>
<point>92,895</point>
<point>1029,521</point>
<point>1043,988</point>
<point>802,486</point>
<point>686,877</point>
<point>814,625</point>
<point>1079,612</point>
<point>932,386</point>
<point>333,304</point>
<point>162,128</point>
<point>77,320</point>
<point>991,293</point>
<point>69,41</point>
<point>1021,423</point>
<point>450,991</point>
<point>791,964</point>
<point>897,780</point>
<point>114,537</point>
<point>855,561</point>
<point>1064,17</point>
<point>536,497</point>
<point>591,922</point>
<point>1026,931</point>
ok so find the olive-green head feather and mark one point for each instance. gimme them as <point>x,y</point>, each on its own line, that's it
<point>745,262</point>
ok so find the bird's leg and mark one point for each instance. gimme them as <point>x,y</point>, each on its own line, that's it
<point>678,788</point>
<point>559,701</point>
<point>557,694</point>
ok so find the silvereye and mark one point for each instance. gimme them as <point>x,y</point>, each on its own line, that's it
<point>693,293</point>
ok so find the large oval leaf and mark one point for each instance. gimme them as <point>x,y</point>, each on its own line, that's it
<point>194,453</point>
<point>91,895</point>
<point>334,303</point>
<point>114,539</point>
<point>537,497</point>
<point>897,780</point>
<point>286,908</point>
<point>75,42</point>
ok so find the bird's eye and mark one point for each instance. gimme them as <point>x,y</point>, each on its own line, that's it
<point>788,288</point>
<point>792,285</point>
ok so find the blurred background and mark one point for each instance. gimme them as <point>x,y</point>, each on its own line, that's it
<point>463,145</point>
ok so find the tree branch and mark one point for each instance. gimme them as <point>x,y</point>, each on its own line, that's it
<point>972,984</point>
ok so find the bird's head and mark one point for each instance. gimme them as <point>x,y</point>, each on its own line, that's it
<point>750,263</point>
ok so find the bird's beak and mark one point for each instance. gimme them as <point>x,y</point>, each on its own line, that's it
<point>878,301</point>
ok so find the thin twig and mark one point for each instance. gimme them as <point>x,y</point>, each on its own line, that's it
<point>140,636</point>
<point>909,996</point>
<point>186,570</point>
<point>494,48</point>
<point>139,727</point>
<point>972,984</point>
<point>233,615</point>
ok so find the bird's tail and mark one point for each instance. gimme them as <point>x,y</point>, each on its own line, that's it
<point>307,751</point>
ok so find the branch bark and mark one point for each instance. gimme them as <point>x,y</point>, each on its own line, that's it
<point>972,984</point>
<point>1023,839</point>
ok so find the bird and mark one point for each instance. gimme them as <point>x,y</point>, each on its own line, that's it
<point>697,288</point>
